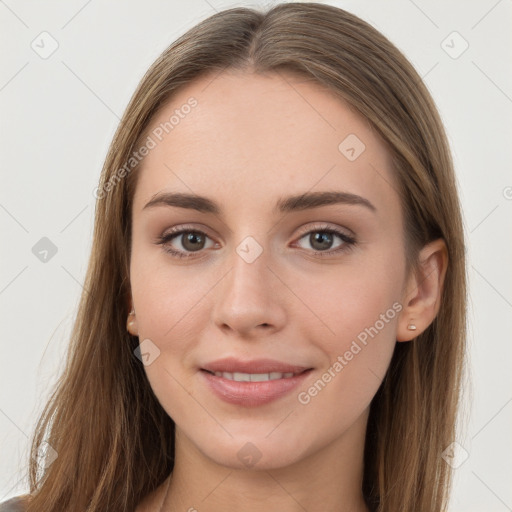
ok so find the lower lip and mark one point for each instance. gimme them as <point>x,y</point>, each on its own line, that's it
<point>250,394</point>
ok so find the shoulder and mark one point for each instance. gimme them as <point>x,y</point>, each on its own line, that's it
<point>17,504</point>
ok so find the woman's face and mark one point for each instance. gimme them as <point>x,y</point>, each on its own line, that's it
<point>289,256</point>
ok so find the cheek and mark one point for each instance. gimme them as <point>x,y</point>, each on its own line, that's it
<point>167,299</point>
<point>350,301</point>
<point>359,309</point>
<point>356,360</point>
<point>168,306</point>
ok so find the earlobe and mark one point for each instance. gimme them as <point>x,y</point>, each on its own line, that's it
<point>423,292</point>
<point>131,323</point>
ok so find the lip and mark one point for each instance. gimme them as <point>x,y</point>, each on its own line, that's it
<point>231,364</point>
<point>251,394</point>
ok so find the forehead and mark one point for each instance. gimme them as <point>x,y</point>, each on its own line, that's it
<point>245,139</point>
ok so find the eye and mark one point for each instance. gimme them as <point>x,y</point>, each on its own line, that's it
<point>190,240</point>
<point>321,239</point>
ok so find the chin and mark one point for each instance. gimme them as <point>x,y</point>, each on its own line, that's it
<point>256,453</point>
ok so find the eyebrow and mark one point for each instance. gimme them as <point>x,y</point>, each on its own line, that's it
<point>288,204</point>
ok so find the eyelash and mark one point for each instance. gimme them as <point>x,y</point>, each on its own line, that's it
<point>348,241</point>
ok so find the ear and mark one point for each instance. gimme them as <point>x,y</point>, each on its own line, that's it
<point>422,295</point>
<point>131,321</point>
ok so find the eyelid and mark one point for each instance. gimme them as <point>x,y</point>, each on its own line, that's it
<point>201,228</point>
<point>302,231</point>
<point>325,226</point>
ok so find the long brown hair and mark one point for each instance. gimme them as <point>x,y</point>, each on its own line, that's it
<point>115,442</point>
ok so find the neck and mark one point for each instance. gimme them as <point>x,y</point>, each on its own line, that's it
<point>329,479</point>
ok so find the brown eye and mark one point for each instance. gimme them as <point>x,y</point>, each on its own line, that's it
<point>182,243</point>
<point>192,241</point>
<point>321,240</point>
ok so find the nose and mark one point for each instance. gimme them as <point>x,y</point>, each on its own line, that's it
<point>250,300</point>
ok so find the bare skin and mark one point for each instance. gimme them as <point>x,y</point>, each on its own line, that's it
<point>249,142</point>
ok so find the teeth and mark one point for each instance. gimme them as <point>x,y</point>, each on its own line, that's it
<point>254,377</point>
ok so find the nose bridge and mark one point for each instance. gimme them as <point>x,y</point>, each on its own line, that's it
<point>248,296</point>
<point>249,266</point>
<point>248,278</point>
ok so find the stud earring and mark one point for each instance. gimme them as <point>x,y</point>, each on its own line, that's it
<point>411,327</point>
<point>130,322</point>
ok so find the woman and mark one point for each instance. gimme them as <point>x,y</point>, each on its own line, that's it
<point>309,354</point>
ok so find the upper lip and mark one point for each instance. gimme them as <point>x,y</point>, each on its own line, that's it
<point>231,364</point>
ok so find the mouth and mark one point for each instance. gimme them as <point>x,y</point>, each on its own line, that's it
<point>252,383</point>
<point>272,367</point>
<point>255,377</point>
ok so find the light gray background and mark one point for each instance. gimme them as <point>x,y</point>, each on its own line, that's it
<point>59,115</point>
